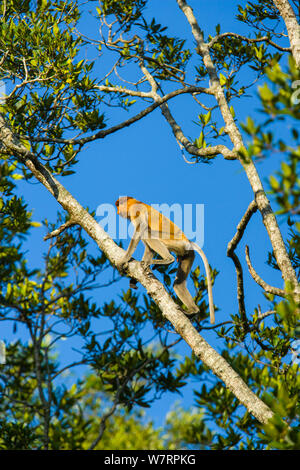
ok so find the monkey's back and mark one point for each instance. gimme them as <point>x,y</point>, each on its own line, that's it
<point>158,225</point>
<point>164,229</point>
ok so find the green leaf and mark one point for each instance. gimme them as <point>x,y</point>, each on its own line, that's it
<point>55,29</point>
<point>274,183</point>
<point>17,176</point>
<point>223,79</point>
<point>265,93</point>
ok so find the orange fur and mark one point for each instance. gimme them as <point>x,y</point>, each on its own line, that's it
<point>163,227</point>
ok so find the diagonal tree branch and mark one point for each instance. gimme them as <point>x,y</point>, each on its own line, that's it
<point>176,129</point>
<point>111,130</point>
<point>59,230</point>
<point>155,289</point>
<point>248,40</point>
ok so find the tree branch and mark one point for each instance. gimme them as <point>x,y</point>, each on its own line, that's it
<point>159,102</point>
<point>170,310</point>
<point>176,129</point>
<point>269,219</point>
<point>104,132</point>
<point>260,281</point>
<point>122,89</point>
<point>249,40</point>
<point>59,230</point>
<point>252,208</point>
<point>191,148</point>
<point>292,26</point>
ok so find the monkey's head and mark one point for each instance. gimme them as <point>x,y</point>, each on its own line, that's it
<point>123,204</point>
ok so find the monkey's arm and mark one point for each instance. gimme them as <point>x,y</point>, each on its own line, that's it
<point>148,259</point>
<point>138,233</point>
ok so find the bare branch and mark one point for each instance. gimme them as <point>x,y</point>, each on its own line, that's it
<point>261,316</point>
<point>159,101</point>
<point>59,230</point>
<point>252,208</point>
<point>260,281</point>
<point>103,133</point>
<point>176,129</point>
<point>190,147</point>
<point>121,89</point>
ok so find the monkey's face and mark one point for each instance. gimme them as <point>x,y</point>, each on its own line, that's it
<point>122,206</point>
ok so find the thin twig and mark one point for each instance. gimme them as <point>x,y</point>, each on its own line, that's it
<point>59,230</point>
<point>248,40</point>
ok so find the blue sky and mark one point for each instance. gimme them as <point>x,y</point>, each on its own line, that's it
<point>144,161</point>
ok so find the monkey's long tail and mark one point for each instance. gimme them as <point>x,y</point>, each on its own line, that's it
<point>209,284</point>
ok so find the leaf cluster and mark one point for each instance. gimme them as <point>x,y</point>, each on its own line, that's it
<point>51,94</point>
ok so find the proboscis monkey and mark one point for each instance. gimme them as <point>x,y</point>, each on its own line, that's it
<point>160,235</point>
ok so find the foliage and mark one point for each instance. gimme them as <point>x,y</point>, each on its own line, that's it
<point>76,412</point>
<point>53,93</point>
<point>133,369</point>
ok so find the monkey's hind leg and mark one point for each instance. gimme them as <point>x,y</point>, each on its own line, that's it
<point>185,264</point>
<point>147,257</point>
<point>155,245</point>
